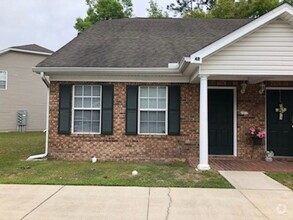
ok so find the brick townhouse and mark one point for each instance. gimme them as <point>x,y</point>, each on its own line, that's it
<point>169,89</point>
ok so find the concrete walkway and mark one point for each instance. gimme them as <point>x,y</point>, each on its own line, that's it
<point>32,202</point>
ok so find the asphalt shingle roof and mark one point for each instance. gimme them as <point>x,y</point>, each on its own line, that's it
<point>33,47</point>
<point>140,42</point>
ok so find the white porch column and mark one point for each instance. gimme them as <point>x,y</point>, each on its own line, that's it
<point>203,124</point>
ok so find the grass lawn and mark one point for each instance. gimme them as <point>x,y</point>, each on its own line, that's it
<point>284,178</point>
<point>16,147</point>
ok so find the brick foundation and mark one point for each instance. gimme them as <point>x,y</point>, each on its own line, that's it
<point>121,147</point>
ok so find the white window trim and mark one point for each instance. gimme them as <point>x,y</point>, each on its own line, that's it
<point>143,109</point>
<point>6,79</point>
<point>78,108</point>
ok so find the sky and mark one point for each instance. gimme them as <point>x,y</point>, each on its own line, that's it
<point>48,23</point>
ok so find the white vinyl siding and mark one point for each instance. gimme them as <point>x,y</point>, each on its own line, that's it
<point>152,110</point>
<point>87,109</point>
<point>267,50</point>
<point>3,80</point>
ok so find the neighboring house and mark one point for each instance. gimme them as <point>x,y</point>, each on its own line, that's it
<point>168,89</point>
<point>21,89</point>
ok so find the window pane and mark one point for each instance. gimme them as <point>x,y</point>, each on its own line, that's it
<point>153,116</point>
<point>143,91</point>
<point>152,91</point>
<point>78,91</point>
<point>2,84</point>
<point>160,127</point>
<point>78,102</point>
<point>96,127</point>
<point>87,115</point>
<point>78,115</point>
<point>77,126</point>
<point>96,90</point>
<point>144,127</point>
<point>143,103</point>
<point>153,103</point>
<point>87,91</point>
<point>87,102</point>
<point>161,116</point>
<point>161,103</point>
<point>96,115</point>
<point>96,103</point>
<point>152,127</point>
<point>87,126</point>
<point>162,92</point>
<point>2,75</point>
<point>144,116</point>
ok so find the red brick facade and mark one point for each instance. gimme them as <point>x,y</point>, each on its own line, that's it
<point>157,148</point>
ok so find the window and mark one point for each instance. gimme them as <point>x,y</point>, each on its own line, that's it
<point>3,80</point>
<point>87,108</point>
<point>152,110</point>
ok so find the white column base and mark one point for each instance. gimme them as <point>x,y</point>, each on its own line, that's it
<point>203,167</point>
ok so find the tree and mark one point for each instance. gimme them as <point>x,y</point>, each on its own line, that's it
<point>156,12</point>
<point>103,10</point>
<point>223,9</point>
<point>184,7</point>
<point>197,13</point>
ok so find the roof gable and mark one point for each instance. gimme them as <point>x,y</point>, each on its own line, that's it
<point>30,48</point>
<point>284,12</point>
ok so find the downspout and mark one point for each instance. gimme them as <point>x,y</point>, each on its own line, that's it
<point>42,156</point>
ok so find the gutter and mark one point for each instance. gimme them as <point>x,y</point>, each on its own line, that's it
<point>42,156</point>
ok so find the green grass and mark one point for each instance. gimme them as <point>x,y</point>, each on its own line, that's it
<point>16,147</point>
<point>284,178</point>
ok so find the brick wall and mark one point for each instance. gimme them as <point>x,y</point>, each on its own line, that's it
<point>158,148</point>
<point>120,146</point>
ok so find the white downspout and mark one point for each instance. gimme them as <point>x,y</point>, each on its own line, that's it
<point>42,156</point>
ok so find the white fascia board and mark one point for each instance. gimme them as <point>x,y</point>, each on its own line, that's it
<point>121,78</point>
<point>253,25</point>
<point>24,51</point>
<point>107,70</point>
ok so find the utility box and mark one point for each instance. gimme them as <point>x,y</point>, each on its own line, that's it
<point>21,118</point>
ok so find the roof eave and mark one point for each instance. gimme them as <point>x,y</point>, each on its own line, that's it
<point>24,51</point>
<point>113,70</point>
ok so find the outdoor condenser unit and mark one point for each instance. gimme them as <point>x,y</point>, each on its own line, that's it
<point>21,120</point>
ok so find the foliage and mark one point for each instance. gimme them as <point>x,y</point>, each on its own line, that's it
<point>257,132</point>
<point>185,7</point>
<point>16,147</point>
<point>103,10</point>
<point>155,11</point>
<point>224,8</point>
<point>197,13</point>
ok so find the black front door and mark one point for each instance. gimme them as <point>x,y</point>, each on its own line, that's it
<point>220,123</point>
<point>280,130</point>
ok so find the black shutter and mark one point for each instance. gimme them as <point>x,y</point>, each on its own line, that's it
<point>107,109</point>
<point>131,109</point>
<point>174,110</point>
<point>65,97</point>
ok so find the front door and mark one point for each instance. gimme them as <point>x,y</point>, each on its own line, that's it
<point>220,121</point>
<point>280,127</point>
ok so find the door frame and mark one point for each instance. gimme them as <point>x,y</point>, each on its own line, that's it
<point>266,119</point>
<point>234,89</point>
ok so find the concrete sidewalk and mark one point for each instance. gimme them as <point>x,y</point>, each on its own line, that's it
<point>93,202</point>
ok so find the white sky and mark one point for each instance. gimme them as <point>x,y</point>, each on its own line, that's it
<point>48,23</point>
